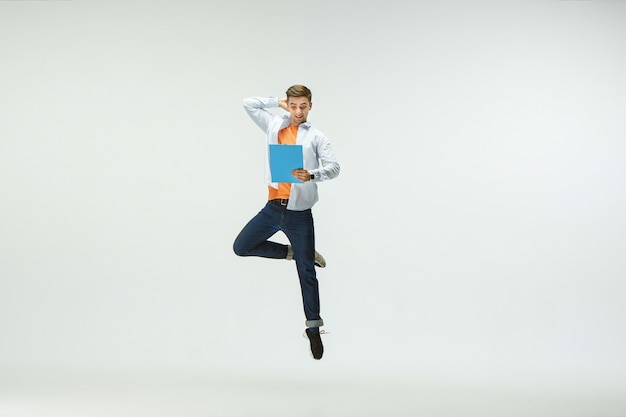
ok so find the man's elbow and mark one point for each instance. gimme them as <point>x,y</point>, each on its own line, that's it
<point>335,171</point>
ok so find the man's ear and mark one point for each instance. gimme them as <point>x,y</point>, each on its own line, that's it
<point>310,105</point>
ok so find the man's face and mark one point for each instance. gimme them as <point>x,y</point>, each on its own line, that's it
<point>299,108</point>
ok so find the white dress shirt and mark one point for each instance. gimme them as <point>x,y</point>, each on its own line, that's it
<point>318,155</point>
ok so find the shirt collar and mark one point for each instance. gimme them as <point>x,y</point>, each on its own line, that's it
<point>287,120</point>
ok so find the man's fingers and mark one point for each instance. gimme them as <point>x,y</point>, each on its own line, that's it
<point>300,174</point>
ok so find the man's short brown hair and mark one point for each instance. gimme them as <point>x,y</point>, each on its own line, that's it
<point>299,91</point>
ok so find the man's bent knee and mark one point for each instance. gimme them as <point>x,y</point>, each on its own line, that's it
<point>239,249</point>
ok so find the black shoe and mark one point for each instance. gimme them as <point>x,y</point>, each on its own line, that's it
<point>317,349</point>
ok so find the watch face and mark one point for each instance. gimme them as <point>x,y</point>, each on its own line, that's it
<point>312,176</point>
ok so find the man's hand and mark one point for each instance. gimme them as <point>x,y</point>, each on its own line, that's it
<point>282,103</point>
<point>301,174</point>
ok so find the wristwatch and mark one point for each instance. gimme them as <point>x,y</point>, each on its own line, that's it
<point>312,177</point>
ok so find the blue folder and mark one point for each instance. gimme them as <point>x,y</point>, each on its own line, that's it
<point>283,160</point>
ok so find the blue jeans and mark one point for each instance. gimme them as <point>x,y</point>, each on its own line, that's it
<point>299,229</point>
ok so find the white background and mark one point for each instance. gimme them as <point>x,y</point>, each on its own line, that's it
<point>475,235</point>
